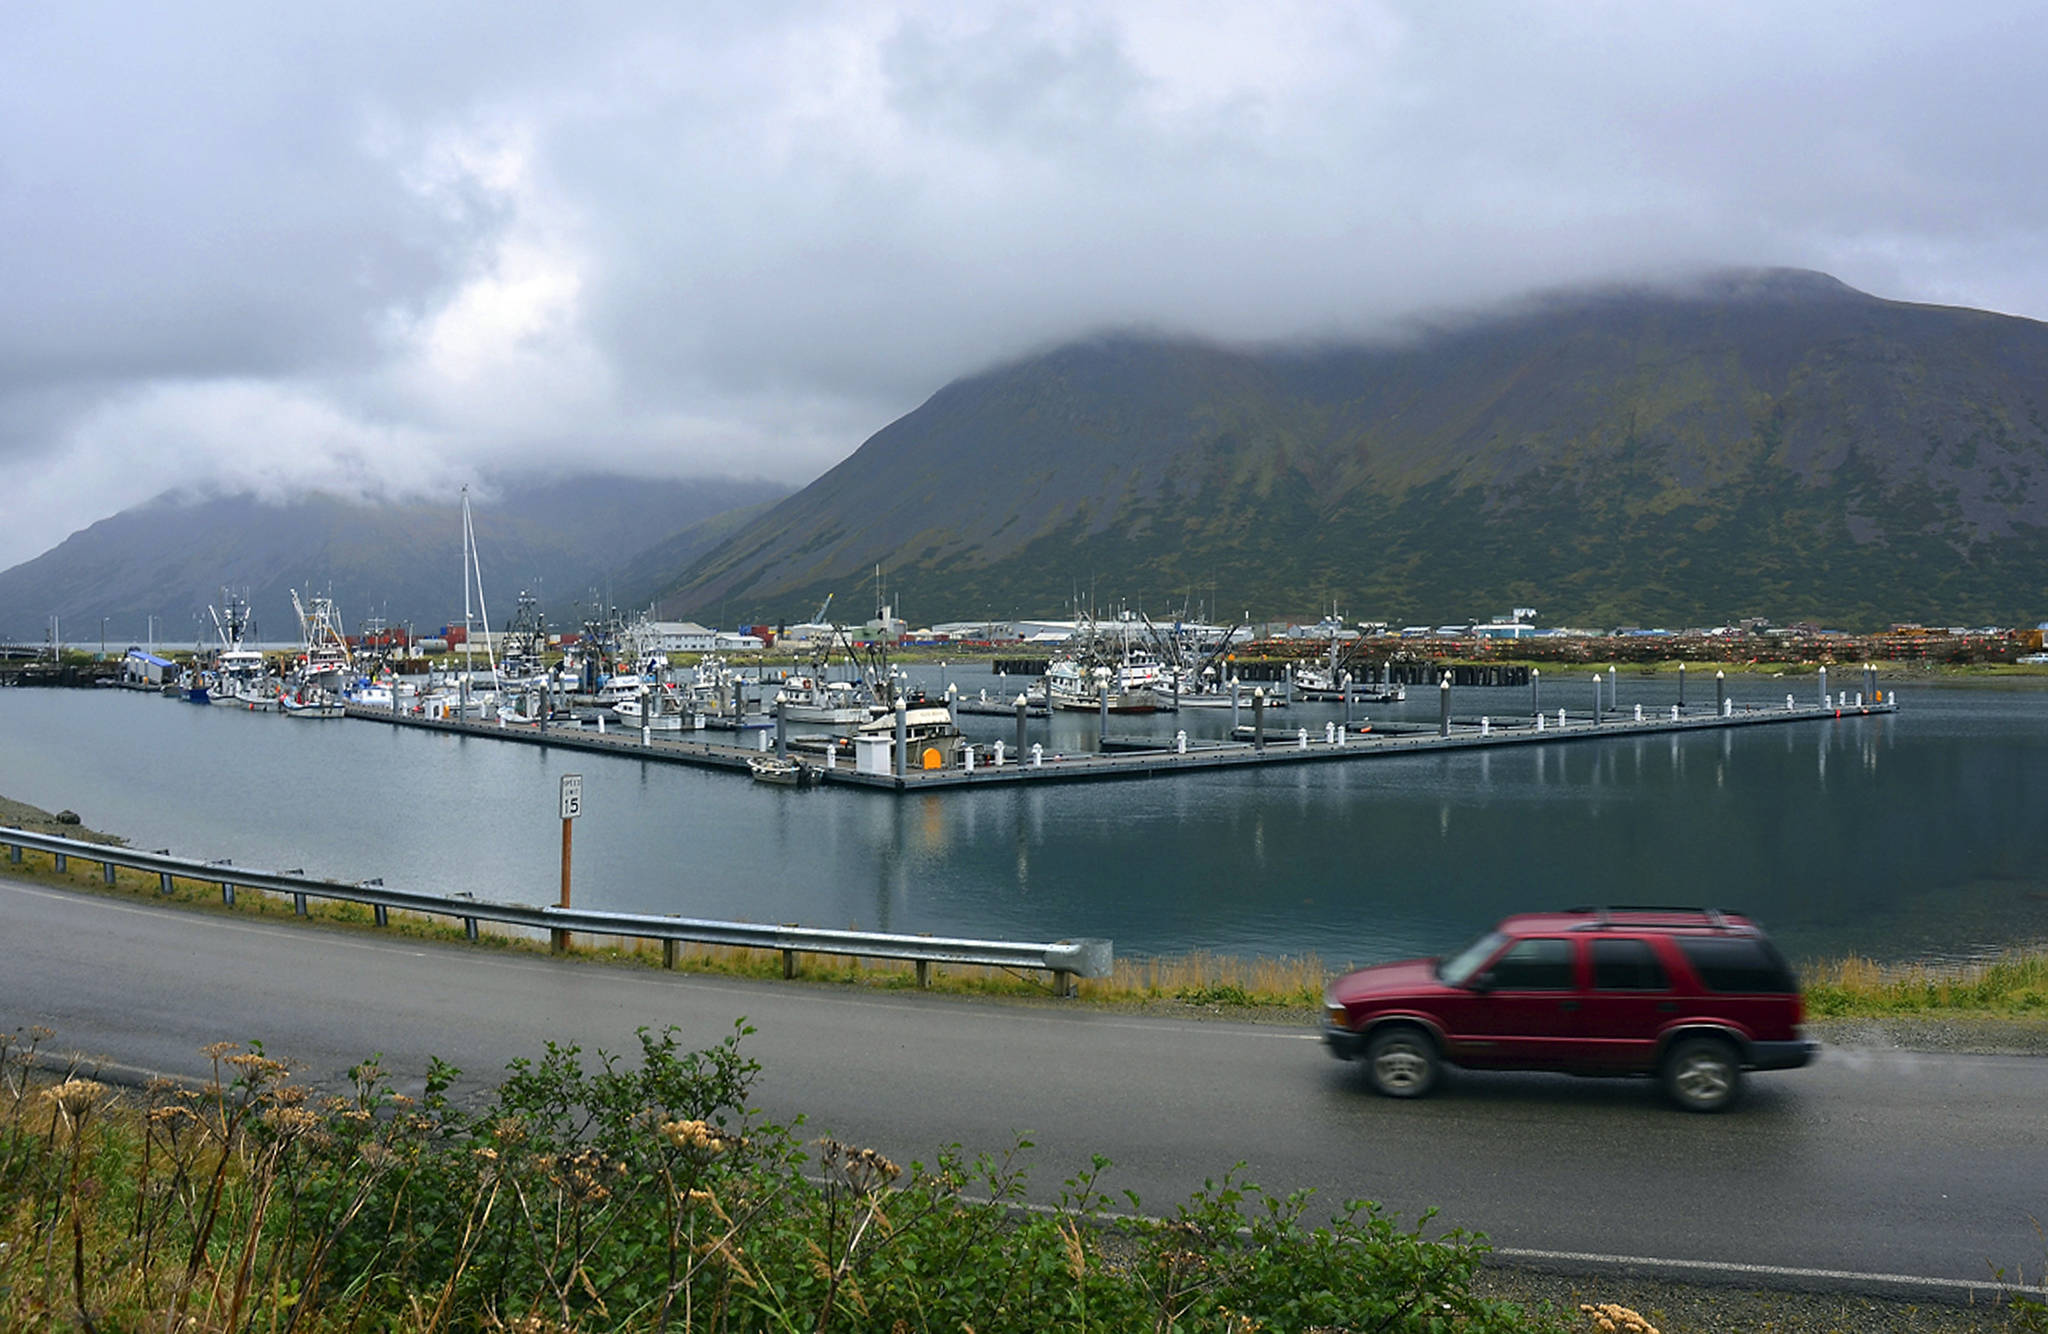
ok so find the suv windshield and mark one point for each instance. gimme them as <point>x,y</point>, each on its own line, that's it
<point>1456,971</point>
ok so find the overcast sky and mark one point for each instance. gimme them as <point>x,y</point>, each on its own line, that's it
<point>375,247</point>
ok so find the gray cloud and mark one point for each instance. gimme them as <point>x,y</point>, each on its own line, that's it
<point>376,249</point>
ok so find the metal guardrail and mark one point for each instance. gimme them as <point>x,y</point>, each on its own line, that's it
<point>1065,960</point>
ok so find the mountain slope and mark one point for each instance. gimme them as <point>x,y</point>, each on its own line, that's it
<point>170,558</point>
<point>1764,442</point>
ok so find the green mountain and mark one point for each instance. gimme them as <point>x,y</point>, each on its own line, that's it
<point>1759,443</point>
<point>563,539</point>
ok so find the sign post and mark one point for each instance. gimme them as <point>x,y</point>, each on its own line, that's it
<point>572,806</point>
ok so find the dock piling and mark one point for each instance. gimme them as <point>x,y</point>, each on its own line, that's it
<point>1536,691</point>
<point>1022,706</point>
<point>1681,686</point>
<point>1259,717</point>
<point>1824,687</point>
<point>1720,692</point>
<point>1443,706</point>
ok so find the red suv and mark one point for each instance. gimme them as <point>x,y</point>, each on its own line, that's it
<point>1694,996</point>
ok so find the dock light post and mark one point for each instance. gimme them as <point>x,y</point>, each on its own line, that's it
<point>1233,706</point>
<point>1023,708</point>
<point>1599,714</point>
<point>1536,691</point>
<point>1720,692</point>
<point>1681,685</point>
<point>1344,684</point>
<point>1870,683</point>
<point>781,725</point>
<point>1823,686</point>
<point>902,736</point>
<point>1102,730</point>
<point>1613,690</point>
<point>572,806</point>
<point>1443,705</point>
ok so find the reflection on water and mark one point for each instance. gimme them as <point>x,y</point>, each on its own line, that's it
<point>1939,849</point>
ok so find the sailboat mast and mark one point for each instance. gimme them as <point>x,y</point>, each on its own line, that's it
<point>468,622</point>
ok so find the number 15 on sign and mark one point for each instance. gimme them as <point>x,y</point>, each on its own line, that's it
<point>572,796</point>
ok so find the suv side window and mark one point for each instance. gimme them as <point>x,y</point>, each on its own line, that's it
<point>1536,964</point>
<point>1627,965</point>
<point>1739,964</point>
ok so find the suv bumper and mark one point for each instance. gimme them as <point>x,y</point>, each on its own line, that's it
<point>1344,1044</point>
<point>1782,1055</point>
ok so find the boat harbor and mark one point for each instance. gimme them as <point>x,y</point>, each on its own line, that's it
<point>889,758</point>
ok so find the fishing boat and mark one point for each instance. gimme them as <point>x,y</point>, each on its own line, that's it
<point>323,663</point>
<point>661,709</point>
<point>241,677</point>
<point>806,699</point>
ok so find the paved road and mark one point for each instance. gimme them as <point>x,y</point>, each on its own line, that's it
<point>1865,1164</point>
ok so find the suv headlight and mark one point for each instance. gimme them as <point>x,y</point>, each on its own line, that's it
<point>1335,1015</point>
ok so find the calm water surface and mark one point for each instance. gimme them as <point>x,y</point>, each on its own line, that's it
<point>1905,836</point>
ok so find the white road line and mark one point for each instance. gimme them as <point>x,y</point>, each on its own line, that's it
<point>1735,1269</point>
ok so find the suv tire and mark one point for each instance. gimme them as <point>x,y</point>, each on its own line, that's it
<point>1401,1062</point>
<point>1702,1074</point>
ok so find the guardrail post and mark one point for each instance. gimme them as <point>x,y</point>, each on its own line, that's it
<point>469,929</point>
<point>107,872</point>
<point>163,882</point>
<point>1062,982</point>
<point>14,853</point>
<point>923,973</point>
<point>299,904</point>
<point>788,964</point>
<point>61,862</point>
<point>382,914</point>
<point>668,954</point>
<point>227,892</point>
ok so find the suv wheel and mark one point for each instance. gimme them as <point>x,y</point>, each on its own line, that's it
<point>1401,1062</point>
<point>1702,1074</point>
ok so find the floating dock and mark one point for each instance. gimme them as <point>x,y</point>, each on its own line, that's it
<point>1151,757</point>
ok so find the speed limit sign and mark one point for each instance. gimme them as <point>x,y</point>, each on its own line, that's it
<point>572,796</point>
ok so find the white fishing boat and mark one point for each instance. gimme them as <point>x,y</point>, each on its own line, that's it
<point>240,678</point>
<point>806,699</point>
<point>665,709</point>
<point>323,663</point>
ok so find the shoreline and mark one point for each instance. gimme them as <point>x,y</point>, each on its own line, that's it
<point>1209,987</point>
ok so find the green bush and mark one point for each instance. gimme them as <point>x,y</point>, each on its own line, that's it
<point>634,1195</point>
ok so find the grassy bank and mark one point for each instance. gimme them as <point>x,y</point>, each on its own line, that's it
<point>632,1193</point>
<point>2011,988</point>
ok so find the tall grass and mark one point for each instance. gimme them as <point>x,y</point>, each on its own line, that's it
<point>2014,986</point>
<point>630,1195</point>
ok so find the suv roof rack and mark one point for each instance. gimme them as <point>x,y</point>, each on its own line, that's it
<point>1603,915</point>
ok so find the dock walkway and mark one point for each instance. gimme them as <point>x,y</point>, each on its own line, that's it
<point>1128,757</point>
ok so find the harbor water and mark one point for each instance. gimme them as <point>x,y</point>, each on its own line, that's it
<point>1915,835</point>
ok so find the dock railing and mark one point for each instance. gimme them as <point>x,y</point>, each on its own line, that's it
<point>1065,959</point>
